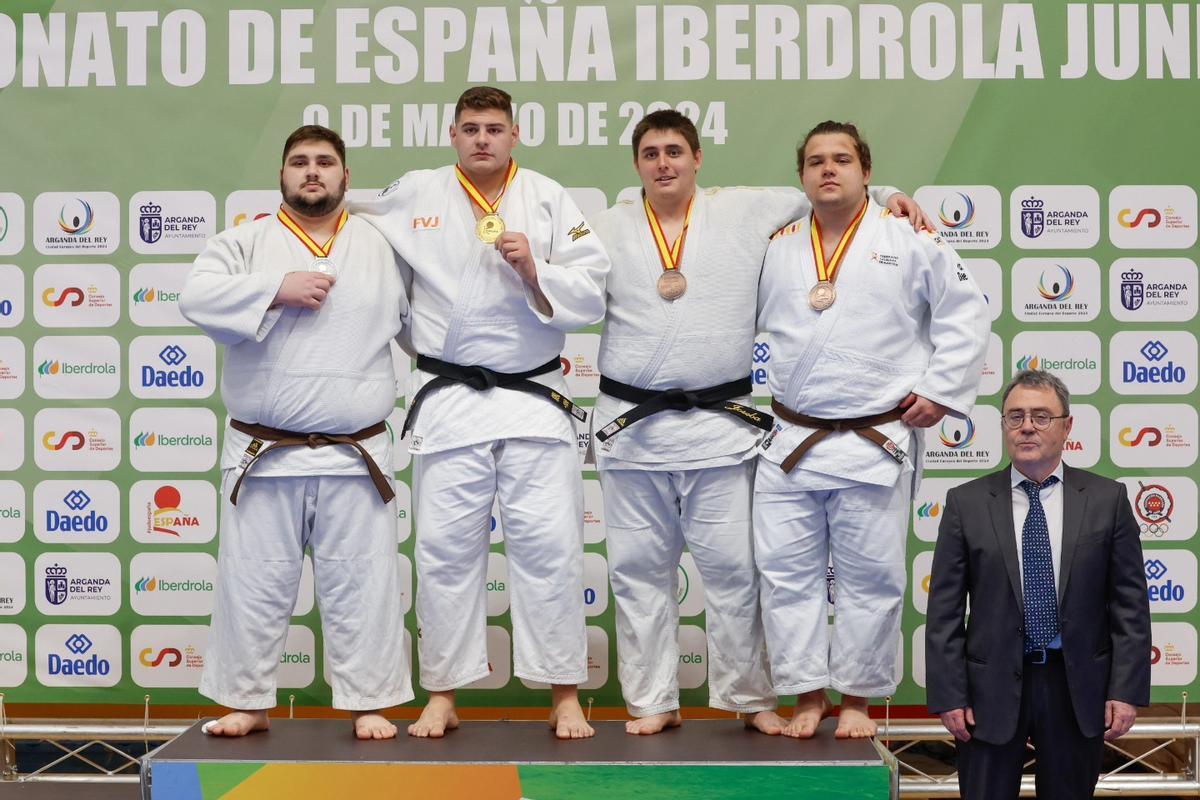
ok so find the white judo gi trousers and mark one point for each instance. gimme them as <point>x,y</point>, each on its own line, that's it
<point>541,505</point>
<point>352,534</point>
<point>864,528</point>
<point>649,516</point>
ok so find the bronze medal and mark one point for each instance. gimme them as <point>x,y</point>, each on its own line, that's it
<point>489,227</point>
<point>671,285</point>
<point>821,296</point>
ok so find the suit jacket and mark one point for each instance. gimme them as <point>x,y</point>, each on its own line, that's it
<point>1104,613</point>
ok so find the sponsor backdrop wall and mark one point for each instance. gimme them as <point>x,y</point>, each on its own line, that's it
<point>1054,144</point>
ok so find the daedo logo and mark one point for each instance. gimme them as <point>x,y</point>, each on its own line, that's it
<point>77,511</point>
<point>12,295</point>
<point>1171,580</point>
<point>78,655</point>
<point>171,367</point>
<point>1159,362</point>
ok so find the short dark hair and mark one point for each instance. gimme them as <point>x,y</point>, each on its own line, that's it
<point>667,119</point>
<point>315,133</point>
<point>481,98</point>
<point>829,126</point>
<point>1039,379</point>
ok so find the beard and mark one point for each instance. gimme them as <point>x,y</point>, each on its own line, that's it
<point>314,206</point>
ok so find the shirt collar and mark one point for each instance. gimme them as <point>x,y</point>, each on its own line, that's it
<point>1016,477</point>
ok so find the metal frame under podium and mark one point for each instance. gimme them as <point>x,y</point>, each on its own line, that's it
<point>710,759</point>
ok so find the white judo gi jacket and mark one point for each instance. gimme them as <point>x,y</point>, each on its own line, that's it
<point>908,318</point>
<point>327,371</point>
<point>702,339</point>
<point>471,308</point>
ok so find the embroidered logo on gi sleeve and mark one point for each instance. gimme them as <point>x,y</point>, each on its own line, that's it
<point>391,187</point>
<point>787,230</point>
<point>578,232</point>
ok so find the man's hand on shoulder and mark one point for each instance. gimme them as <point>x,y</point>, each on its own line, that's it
<point>303,290</point>
<point>957,722</point>
<point>921,412</point>
<point>1118,719</point>
<point>901,205</point>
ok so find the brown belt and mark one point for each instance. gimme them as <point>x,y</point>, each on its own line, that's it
<point>281,438</point>
<point>863,426</point>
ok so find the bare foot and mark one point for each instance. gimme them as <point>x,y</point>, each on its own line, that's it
<point>436,718</point>
<point>644,726</point>
<point>767,722</point>
<point>372,725</point>
<point>853,722</point>
<point>566,716</point>
<point>811,708</point>
<point>238,723</point>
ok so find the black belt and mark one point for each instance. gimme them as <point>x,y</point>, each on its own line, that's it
<point>714,398</point>
<point>280,438</point>
<point>482,378</point>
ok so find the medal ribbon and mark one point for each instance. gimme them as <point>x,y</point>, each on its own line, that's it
<point>319,250</point>
<point>477,196</point>
<point>670,256</point>
<point>827,270</point>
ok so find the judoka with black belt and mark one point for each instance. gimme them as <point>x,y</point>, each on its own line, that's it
<point>306,303</point>
<point>675,428</point>
<point>504,263</point>
<point>876,332</point>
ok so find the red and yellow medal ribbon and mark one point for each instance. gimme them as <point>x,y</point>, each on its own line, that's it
<point>477,196</point>
<point>673,254</point>
<point>827,269</point>
<point>319,250</point>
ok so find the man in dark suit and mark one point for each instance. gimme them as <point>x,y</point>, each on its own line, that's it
<point>1058,646</point>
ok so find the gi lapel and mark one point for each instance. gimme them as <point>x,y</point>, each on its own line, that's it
<point>1074,506</point>
<point>654,268</point>
<point>863,239</point>
<point>1000,512</point>
<point>461,224</point>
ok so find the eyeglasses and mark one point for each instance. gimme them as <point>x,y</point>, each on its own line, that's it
<point>1041,419</point>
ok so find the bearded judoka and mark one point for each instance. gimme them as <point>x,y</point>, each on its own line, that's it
<point>876,332</point>
<point>306,303</point>
<point>674,426</point>
<point>504,263</point>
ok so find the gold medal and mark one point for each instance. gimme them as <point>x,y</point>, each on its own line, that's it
<point>821,296</point>
<point>489,227</point>
<point>671,285</point>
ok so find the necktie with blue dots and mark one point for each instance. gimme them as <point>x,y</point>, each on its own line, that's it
<point>1041,599</point>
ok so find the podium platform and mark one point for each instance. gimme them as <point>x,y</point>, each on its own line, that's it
<point>717,759</point>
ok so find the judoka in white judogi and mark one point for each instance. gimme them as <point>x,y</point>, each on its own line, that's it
<point>470,308</point>
<point>907,318</point>
<point>306,370</point>
<point>681,477</point>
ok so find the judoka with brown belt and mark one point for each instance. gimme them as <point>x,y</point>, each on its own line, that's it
<point>876,332</point>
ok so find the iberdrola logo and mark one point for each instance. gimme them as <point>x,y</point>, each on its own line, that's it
<point>144,295</point>
<point>957,439</point>
<point>1057,290</point>
<point>928,510</point>
<point>1028,362</point>
<point>144,439</point>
